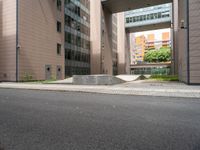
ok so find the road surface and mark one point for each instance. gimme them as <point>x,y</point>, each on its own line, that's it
<point>42,120</point>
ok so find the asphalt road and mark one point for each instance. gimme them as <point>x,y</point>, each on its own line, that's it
<point>42,120</point>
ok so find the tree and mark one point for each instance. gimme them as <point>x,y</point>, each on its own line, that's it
<point>162,55</point>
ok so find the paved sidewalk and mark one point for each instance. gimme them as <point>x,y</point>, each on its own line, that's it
<point>131,88</point>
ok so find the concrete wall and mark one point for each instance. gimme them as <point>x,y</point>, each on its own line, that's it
<point>38,38</point>
<point>7,40</point>
<point>194,41</point>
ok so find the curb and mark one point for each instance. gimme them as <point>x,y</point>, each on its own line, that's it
<point>110,90</point>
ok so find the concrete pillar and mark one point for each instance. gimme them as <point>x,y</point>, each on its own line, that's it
<point>127,53</point>
<point>101,39</point>
<point>175,37</point>
<point>107,60</point>
<point>183,41</point>
<point>95,36</point>
<point>122,45</point>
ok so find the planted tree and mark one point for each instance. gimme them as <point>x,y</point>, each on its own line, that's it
<point>162,55</point>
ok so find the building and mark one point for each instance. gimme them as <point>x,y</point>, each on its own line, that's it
<point>31,40</point>
<point>144,41</point>
<point>44,39</point>
<point>158,39</point>
<point>166,42</point>
<point>50,39</point>
<point>77,37</point>
<point>139,50</point>
<point>150,43</point>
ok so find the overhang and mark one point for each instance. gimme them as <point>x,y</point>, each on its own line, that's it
<point>116,6</point>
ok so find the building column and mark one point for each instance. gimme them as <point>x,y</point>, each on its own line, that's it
<point>101,39</point>
<point>121,44</point>
<point>107,55</point>
<point>183,54</point>
<point>95,36</point>
<point>174,38</point>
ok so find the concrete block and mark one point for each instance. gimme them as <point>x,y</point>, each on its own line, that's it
<point>96,80</point>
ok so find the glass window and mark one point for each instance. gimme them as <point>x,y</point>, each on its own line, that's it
<point>59,26</point>
<point>131,19</point>
<point>58,49</point>
<point>59,5</point>
<point>127,20</point>
<point>134,19</point>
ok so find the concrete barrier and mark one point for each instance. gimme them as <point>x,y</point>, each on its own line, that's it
<point>96,80</point>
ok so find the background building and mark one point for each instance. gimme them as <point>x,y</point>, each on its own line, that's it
<point>166,41</point>
<point>139,49</point>
<point>150,44</point>
<point>145,41</point>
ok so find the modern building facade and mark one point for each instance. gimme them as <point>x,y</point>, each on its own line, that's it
<point>51,39</point>
<point>31,40</point>
<point>41,39</point>
<point>44,39</point>
<point>77,37</point>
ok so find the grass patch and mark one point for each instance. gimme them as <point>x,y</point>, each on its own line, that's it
<point>164,78</point>
<point>38,82</point>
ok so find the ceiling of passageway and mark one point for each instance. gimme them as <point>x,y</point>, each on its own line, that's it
<point>124,5</point>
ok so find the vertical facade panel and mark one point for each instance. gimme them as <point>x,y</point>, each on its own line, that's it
<point>182,41</point>
<point>194,38</point>
<point>39,39</point>
<point>7,40</point>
